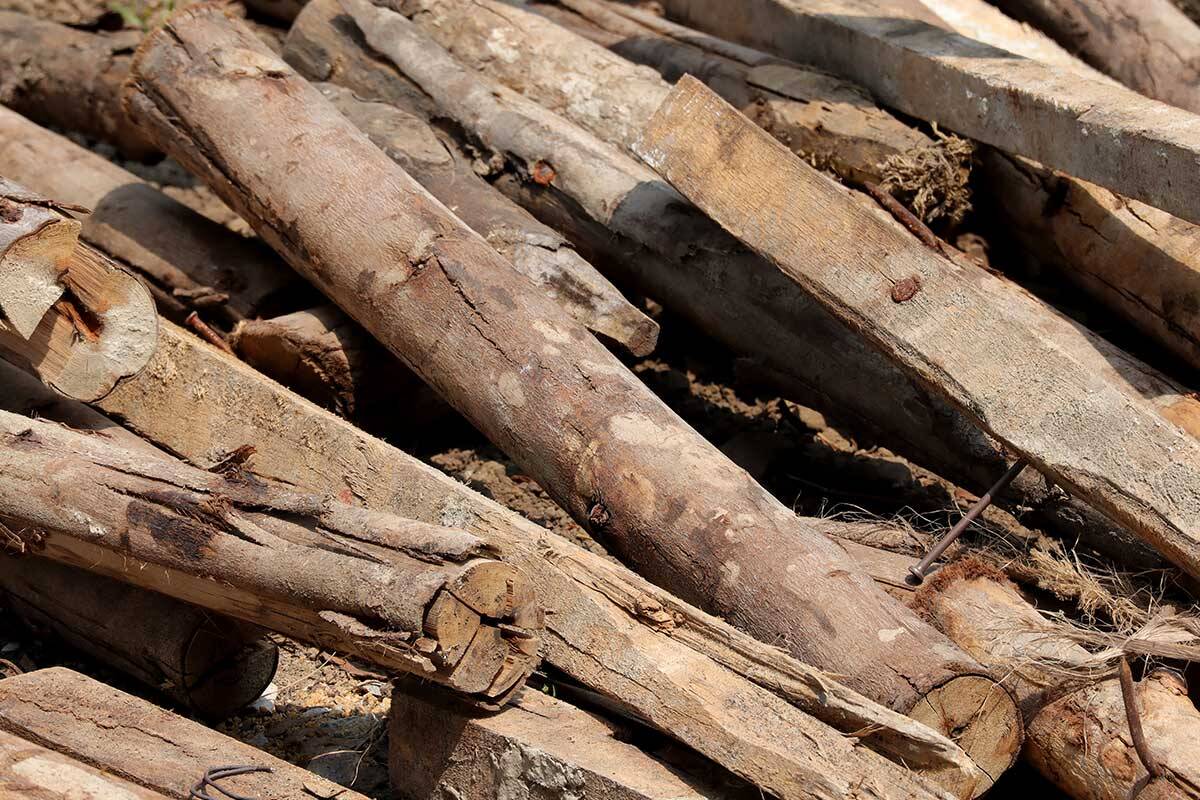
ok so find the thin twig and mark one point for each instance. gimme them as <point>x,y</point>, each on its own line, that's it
<point>206,333</point>
<point>905,217</point>
<point>1129,698</point>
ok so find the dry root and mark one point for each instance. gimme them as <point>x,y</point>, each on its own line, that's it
<point>932,180</point>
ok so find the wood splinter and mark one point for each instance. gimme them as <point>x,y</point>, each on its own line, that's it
<point>67,312</point>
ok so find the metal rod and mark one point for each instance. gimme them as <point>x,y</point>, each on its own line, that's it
<point>917,573</point>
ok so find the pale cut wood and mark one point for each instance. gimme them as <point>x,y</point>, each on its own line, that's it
<point>655,648</point>
<point>133,740</point>
<point>1133,258</point>
<point>341,578</point>
<point>206,662</point>
<point>537,251</point>
<point>536,744</point>
<point>999,360</point>
<point>29,771</point>
<point>79,321</point>
<point>46,68</point>
<point>1114,137</point>
<point>1148,45</point>
<point>1078,736</point>
<point>580,422</point>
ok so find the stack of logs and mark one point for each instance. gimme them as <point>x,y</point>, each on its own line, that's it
<point>446,196</point>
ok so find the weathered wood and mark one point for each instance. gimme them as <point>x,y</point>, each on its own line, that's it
<point>190,262</point>
<point>1078,737</point>
<point>277,10</point>
<point>537,252</point>
<point>79,321</point>
<point>536,744</point>
<point>1111,136</point>
<point>46,68</point>
<point>133,740</point>
<point>655,650</point>
<point>29,771</point>
<point>341,578</point>
<point>1148,45</point>
<point>992,351</point>
<point>207,662</point>
<point>537,383</point>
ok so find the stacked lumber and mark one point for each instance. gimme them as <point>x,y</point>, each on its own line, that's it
<point>490,224</point>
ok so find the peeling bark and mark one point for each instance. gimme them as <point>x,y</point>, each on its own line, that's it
<point>354,581</point>
<point>537,383</point>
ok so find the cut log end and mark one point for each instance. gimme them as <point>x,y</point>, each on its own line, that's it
<point>487,625</point>
<point>31,267</point>
<point>980,716</point>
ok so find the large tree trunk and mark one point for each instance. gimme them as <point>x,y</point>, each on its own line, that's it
<point>1015,372</point>
<point>542,388</point>
<point>654,647</point>
<point>1108,135</point>
<point>133,740</point>
<point>402,594</point>
<point>79,321</point>
<point>1148,45</point>
<point>537,744</point>
<point>537,252</point>
<point>1078,737</point>
<point>207,662</point>
<point>46,68</point>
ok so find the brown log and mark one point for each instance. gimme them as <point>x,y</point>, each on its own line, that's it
<point>1148,45</point>
<point>537,743</point>
<point>29,771</point>
<point>579,416</point>
<point>357,582</point>
<point>130,739</point>
<point>1106,444</point>
<point>46,68</point>
<point>1077,737</point>
<point>537,252</point>
<point>79,321</point>
<point>208,663</point>
<point>754,721</point>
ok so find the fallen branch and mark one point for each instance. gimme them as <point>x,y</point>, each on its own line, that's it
<point>401,594</point>
<point>67,312</point>
<point>523,372</point>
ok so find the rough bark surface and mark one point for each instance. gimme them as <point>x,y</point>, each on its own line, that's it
<point>1077,737</point>
<point>190,262</point>
<point>655,649</point>
<point>536,747</point>
<point>537,252</point>
<point>69,79</point>
<point>209,663</point>
<point>355,581</point>
<point>71,315</point>
<point>1101,133</point>
<point>1023,385</point>
<point>541,387</point>
<point>1148,45</point>
<point>135,741</point>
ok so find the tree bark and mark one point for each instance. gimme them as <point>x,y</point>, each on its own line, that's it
<point>537,252</point>
<point>208,663</point>
<point>190,262</point>
<point>582,425</point>
<point>1148,45</point>
<point>46,68</point>
<point>1106,444</point>
<point>401,594</point>
<point>68,313</point>
<point>1107,135</point>
<point>1077,737</point>
<point>134,740</point>
<point>754,721</point>
<point>537,744</point>
<point>29,771</point>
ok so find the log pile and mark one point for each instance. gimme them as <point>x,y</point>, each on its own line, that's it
<point>926,234</point>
